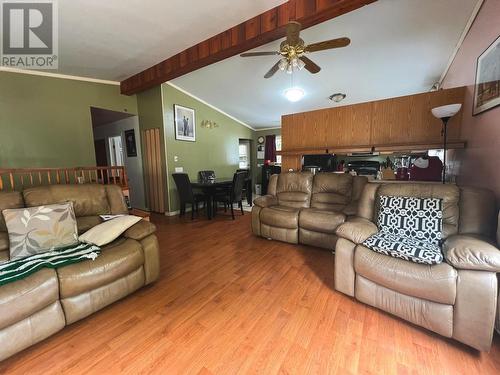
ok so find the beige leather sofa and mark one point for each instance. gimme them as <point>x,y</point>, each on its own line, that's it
<point>305,208</point>
<point>457,298</point>
<point>38,306</point>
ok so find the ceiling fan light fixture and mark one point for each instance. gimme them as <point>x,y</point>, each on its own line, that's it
<point>283,64</point>
<point>294,94</point>
<point>289,68</point>
<point>300,64</point>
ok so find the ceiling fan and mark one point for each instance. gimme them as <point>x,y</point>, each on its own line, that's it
<point>293,51</point>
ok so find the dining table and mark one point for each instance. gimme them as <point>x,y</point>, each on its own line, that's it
<point>209,187</point>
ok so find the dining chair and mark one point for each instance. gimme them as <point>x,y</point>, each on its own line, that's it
<point>206,175</point>
<point>247,186</point>
<point>186,194</point>
<point>233,195</point>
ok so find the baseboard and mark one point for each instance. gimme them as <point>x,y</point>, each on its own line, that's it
<point>175,213</point>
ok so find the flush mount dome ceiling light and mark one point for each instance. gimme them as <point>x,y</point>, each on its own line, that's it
<point>337,98</point>
<point>294,94</point>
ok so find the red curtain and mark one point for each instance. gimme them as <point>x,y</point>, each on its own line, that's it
<point>270,152</point>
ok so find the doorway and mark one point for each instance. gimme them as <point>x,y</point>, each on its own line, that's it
<point>113,148</point>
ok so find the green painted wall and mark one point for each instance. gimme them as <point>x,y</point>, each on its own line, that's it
<point>214,149</point>
<point>46,122</point>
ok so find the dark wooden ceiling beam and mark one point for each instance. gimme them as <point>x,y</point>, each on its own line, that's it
<point>255,32</point>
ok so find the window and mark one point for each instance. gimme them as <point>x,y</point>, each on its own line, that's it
<point>278,148</point>
<point>244,159</point>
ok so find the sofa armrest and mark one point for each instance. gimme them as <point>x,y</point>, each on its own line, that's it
<point>266,201</point>
<point>140,230</point>
<point>356,230</point>
<point>471,253</point>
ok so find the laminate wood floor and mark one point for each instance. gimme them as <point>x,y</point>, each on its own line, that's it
<point>231,303</point>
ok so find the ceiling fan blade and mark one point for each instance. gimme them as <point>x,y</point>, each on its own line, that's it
<point>311,66</point>
<point>328,44</point>
<point>273,70</point>
<point>293,33</point>
<point>253,54</point>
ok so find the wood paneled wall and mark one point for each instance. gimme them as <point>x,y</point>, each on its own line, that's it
<point>398,123</point>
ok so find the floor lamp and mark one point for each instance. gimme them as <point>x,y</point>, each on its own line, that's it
<point>444,113</point>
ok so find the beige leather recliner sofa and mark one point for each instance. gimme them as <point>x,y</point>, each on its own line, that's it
<point>304,208</point>
<point>457,298</point>
<point>41,304</point>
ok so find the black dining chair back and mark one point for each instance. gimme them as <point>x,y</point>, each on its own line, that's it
<point>232,195</point>
<point>206,175</point>
<point>183,187</point>
<point>238,185</point>
<point>186,195</point>
<point>247,171</point>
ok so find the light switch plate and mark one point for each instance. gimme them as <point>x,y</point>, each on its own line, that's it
<point>179,169</point>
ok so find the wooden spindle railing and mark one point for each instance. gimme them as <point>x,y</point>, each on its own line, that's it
<point>21,178</point>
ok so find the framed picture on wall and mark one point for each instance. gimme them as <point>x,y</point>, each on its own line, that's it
<point>185,123</point>
<point>487,85</point>
<point>130,143</point>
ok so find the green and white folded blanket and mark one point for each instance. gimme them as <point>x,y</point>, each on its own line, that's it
<point>21,268</point>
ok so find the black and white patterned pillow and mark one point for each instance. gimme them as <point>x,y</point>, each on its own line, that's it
<point>420,219</point>
<point>404,248</point>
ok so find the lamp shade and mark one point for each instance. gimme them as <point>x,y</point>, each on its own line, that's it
<point>446,111</point>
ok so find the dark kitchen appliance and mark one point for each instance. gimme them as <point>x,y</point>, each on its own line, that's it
<point>267,172</point>
<point>364,167</point>
<point>319,163</point>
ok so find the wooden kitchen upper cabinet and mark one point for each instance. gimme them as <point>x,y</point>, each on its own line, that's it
<point>408,119</point>
<point>399,121</point>
<point>349,125</point>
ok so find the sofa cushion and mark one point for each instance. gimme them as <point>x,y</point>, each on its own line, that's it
<point>4,241</point>
<point>280,216</point>
<point>320,220</point>
<point>266,201</point>
<point>84,223</point>
<point>116,200</point>
<point>471,253</point>
<point>356,229</point>
<point>116,260</point>
<point>294,189</point>
<point>331,191</point>
<point>22,298</point>
<point>434,283</point>
<point>404,248</point>
<point>415,218</point>
<point>88,199</point>
<point>9,199</point>
<point>140,230</point>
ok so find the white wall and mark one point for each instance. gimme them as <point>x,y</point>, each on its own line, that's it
<point>132,164</point>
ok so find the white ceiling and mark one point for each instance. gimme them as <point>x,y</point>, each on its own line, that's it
<point>398,47</point>
<point>114,39</point>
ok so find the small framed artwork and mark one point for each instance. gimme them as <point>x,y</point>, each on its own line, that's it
<point>487,85</point>
<point>185,123</point>
<point>130,143</point>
